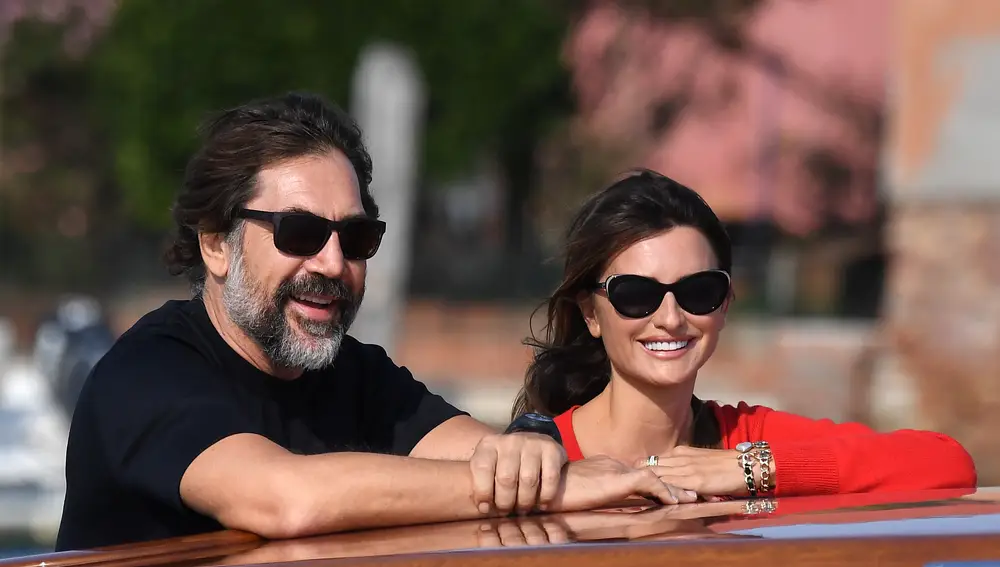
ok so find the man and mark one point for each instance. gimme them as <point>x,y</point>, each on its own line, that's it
<point>249,407</point>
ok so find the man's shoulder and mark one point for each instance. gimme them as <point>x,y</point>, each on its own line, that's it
<point>167,337</point>
<point>176,317</point>
<point>354,348</point>
<point>365,357</point>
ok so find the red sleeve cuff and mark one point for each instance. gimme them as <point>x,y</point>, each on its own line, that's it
<point>804,468</point>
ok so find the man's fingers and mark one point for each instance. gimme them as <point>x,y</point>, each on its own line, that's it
<point>654,486</point>
<point>552,470</point>
<point>484,471</point>
<point>649,485</point>
<point>511,535</point>
<point>489,536</point>
<point>505,489</point>
<point>685,496</point>
<point>555,531</point>
<point>687,485</point>
<point>529,476</point>
<point>533,532</point>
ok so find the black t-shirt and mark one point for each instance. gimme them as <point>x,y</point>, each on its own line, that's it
<point>171,387</point>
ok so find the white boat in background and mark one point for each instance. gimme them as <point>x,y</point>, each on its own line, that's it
<point>33,433</point>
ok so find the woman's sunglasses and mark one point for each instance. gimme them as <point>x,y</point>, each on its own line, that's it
<point>305,234</point>
<point>636,297</point>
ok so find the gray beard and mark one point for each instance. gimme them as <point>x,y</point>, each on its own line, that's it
<point>314,345</point>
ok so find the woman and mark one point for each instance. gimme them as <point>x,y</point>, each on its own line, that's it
<point>643,301</point>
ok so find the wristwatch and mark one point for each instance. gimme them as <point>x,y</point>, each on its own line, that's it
<point>535,423</point>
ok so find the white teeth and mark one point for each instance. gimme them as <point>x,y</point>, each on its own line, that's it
<point>312,299</point>
<point>665,345</point>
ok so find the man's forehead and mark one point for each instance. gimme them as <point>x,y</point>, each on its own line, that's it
<point>325,184</point>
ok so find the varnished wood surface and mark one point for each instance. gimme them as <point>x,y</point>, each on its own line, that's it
<point>642,535</point>
<point>884,552</point>
<point>175,551</point>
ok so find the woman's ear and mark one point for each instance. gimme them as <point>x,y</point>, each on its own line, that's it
<point>587,308</point>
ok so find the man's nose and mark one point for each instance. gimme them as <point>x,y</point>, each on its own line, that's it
<point>328,262</point>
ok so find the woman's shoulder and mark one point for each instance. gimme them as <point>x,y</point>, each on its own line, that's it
<point>564,422</point>
<point>742,411</point>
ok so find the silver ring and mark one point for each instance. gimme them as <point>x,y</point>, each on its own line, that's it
<point>652,461</point>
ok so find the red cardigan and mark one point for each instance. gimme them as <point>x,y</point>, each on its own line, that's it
<point>816,457</point>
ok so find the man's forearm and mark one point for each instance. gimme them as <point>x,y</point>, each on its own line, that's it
<point>345,491</point>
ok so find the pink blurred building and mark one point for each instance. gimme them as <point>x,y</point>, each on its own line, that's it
<point>789,128</point>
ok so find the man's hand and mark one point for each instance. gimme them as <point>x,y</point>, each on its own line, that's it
<point>598,481</point>
<point>519,471</point>
<point>524,530</point>
<point>709,472</point>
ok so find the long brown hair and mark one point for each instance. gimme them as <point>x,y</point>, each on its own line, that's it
<point>570,367</point>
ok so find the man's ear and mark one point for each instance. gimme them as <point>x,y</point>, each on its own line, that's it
<point>585,301</point>
<point>215,253</point>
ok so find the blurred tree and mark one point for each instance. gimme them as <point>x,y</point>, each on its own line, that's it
<point>494,78</point>
<point>52,198</point>
<point>638,66</point>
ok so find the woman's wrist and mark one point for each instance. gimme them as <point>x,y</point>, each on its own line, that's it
<point>757,462</point>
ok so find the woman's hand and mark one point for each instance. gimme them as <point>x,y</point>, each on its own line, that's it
<point>599,481</point>
<point>709,472</point>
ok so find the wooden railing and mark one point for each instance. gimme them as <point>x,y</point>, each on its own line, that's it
<point>186,550</point>
<point>231,548</point>
<point>688,534</point>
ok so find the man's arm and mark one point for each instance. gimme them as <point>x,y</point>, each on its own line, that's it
<point>453,440</point>
<point>248,483</point>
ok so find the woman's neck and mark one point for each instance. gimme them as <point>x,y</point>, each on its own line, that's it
<point>629,423</point>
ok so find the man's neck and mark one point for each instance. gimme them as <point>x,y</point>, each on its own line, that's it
<point>237,339</point>
<point>630,423</point>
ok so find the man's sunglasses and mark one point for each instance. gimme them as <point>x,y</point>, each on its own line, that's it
<point>636,297</point>
<point>305,234</point>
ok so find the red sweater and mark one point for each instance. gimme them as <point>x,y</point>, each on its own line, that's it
<point>816,457</point>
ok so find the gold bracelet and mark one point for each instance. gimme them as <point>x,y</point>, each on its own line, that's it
<point>745,460</point>
<point>764,459</point>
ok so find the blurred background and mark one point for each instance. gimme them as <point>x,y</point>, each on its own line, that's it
<point>849,145</point>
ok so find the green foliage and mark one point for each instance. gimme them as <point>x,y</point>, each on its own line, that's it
<point>163,66</point>
<point>51,195</point>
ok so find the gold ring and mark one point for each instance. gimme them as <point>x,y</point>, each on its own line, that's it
<point>652,461</point>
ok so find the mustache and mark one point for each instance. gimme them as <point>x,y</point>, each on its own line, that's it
<point>314,285</point>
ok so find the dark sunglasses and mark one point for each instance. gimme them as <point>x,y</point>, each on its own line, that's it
<point>305,234</point>
<point>636,297</point>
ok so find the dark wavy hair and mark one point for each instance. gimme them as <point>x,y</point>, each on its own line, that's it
<point>570,367</point>
<point>222,175</point>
